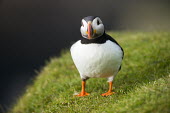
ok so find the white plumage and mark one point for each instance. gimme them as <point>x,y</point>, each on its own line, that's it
<point>97,60</point>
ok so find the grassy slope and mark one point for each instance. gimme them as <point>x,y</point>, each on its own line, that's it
<point>142,85</point>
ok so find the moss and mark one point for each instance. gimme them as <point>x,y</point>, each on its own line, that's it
<point>142,85</point>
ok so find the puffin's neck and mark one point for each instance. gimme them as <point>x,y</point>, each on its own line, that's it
<point>99,40</point>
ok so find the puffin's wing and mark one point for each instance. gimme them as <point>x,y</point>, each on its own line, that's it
<point>113,40</point>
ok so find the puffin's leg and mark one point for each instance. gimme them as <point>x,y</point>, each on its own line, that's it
<point>83,92</point>
<point>110,87</point>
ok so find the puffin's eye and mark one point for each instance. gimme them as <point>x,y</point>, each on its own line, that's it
<point>98,22</point>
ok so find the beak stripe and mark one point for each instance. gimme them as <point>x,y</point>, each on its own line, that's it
<point>89,30</point>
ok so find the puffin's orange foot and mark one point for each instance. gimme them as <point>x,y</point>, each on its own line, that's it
<point>107,94</point>
<point>83,94</point>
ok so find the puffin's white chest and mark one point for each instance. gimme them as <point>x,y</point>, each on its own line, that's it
<point>97,60</point>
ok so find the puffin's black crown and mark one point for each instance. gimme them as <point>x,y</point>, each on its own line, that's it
<point>89,18</point>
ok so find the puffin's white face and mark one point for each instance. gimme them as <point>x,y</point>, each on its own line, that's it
<point>92,27</point>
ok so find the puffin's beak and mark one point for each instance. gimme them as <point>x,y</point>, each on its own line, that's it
<point>89,30</point>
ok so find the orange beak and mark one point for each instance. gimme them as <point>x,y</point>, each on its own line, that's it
<point>89,30</point>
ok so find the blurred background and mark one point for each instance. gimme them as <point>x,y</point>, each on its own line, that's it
<point>32,31</point>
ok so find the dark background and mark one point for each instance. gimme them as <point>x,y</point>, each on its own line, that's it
<point>32,31</point>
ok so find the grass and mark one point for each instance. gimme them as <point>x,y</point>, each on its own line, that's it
<point>142,85</point>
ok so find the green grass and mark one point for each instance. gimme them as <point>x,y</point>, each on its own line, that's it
<point>142,85</point>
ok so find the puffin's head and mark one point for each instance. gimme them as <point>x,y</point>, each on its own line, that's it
<point>92,27</point>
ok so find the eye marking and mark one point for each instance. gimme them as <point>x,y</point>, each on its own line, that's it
<point>98,22</point>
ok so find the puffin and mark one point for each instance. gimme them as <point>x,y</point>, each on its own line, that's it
<point>96,54</point>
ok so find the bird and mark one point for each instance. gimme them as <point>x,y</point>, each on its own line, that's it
<point>96,54</point>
